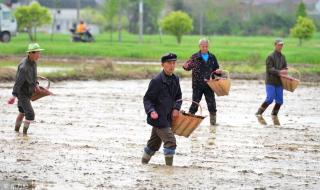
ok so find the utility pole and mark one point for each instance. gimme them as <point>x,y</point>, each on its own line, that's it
<point>78,10</point>
<point>119,23</point>
<point>141,21</point>
<point>203,8</point>
<point>201,23</point>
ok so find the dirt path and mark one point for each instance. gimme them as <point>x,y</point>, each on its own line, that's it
<point>90,135</point>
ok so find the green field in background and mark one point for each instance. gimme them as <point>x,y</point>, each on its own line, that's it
<point>227,48</point>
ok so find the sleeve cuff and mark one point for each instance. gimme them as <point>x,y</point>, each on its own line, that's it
<point>151,110</point>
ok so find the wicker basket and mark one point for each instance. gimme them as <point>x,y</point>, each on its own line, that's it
<point>289,83</point>
<point>43,91</point>
<point>186,123</point>
<point>220,85</point>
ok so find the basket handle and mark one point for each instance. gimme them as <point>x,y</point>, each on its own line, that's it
<point>185,99</point>
<point>296,71</point>
<point>44,78</point>
<point>222,71</point>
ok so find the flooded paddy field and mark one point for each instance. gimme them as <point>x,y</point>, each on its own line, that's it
<point>91,134</point>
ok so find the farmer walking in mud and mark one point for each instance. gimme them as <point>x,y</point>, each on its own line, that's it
<point>203,64</point>
<point>161,106</point>
<point>25,84</point>
<point>276,65</point>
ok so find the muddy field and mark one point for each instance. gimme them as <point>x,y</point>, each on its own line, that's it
<point>90,135</point>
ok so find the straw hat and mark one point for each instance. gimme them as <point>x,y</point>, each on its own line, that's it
<point>34,47</point>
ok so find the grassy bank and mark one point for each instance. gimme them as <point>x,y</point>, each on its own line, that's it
<point>226,48</point>
<point>105,69</point>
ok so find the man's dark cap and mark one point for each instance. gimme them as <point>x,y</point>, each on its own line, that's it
<point>168,57</point>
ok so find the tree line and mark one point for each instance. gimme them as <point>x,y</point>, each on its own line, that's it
<point>202,17</point>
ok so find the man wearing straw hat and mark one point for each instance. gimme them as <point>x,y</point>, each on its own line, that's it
<point>276,65</point>
<point>25,84</point>
<point>161,105</point>
<point>203,64</point>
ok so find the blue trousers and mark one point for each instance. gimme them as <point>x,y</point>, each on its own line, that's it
<point>274,93</point>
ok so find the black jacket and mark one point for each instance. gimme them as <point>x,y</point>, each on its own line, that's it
<point>26,79</point>
<point>275,62</point>
<point>161,96</point>
<point>201,70</point>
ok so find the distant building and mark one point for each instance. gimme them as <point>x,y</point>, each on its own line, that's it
<point>65,14</point>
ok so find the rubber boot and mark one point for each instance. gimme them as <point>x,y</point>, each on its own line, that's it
<point>261,120</point>
<point>26,127</point>
<point>145,158</point>
<point>169,160</point>
<point>17,126</point>
<point>275,120</point>
<point>213,118</point>
<point>276,109</point>
<point>18,122</point>
<point>262,108</point>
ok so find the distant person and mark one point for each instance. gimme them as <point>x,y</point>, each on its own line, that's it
<point>276,65</point>
<point>83,29</point>
<point>161,106</point>
<point>203,64</point>
<point>25,84</point>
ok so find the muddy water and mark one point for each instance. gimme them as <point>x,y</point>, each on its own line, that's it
<point>90,135</point>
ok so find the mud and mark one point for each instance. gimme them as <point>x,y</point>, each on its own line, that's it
<point>90,135</point>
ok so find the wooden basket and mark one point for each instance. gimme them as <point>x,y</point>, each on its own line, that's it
<point>220,85</point>
<point>186,123</point>
<point>43,91</point>
<point>290,83</point>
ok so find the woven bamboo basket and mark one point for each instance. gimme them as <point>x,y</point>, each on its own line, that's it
<point>289,83</point>
<point>220,85</point>
<point>44,91</point>
<point>186,123</point>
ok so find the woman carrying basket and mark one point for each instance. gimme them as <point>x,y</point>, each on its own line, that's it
<point>161,106</point>
<point>276,65</point>
<point>25,84</point>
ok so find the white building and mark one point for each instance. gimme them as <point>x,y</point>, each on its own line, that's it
<point>65,14</point>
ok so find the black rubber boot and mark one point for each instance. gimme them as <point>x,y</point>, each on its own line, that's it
<point>25,127</point>
<point>276,109</point>
<point>145,158</point>
<point>17,128</point>
<point>25,130</point>
<point>213,118</point>
<point>262,108</point>
<point>169,160</point>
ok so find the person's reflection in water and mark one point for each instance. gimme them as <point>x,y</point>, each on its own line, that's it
<point>261,120</point>
<point>276,120</point>
<point>212,135</point>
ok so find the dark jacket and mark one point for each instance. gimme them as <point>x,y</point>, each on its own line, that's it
<point>161,96</point>
<point>26,79</point>
<point>275,62</point>
<point>201,70</point>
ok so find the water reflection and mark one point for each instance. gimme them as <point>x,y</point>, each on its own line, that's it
<point>212,136</point>
<point>18,184</point>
